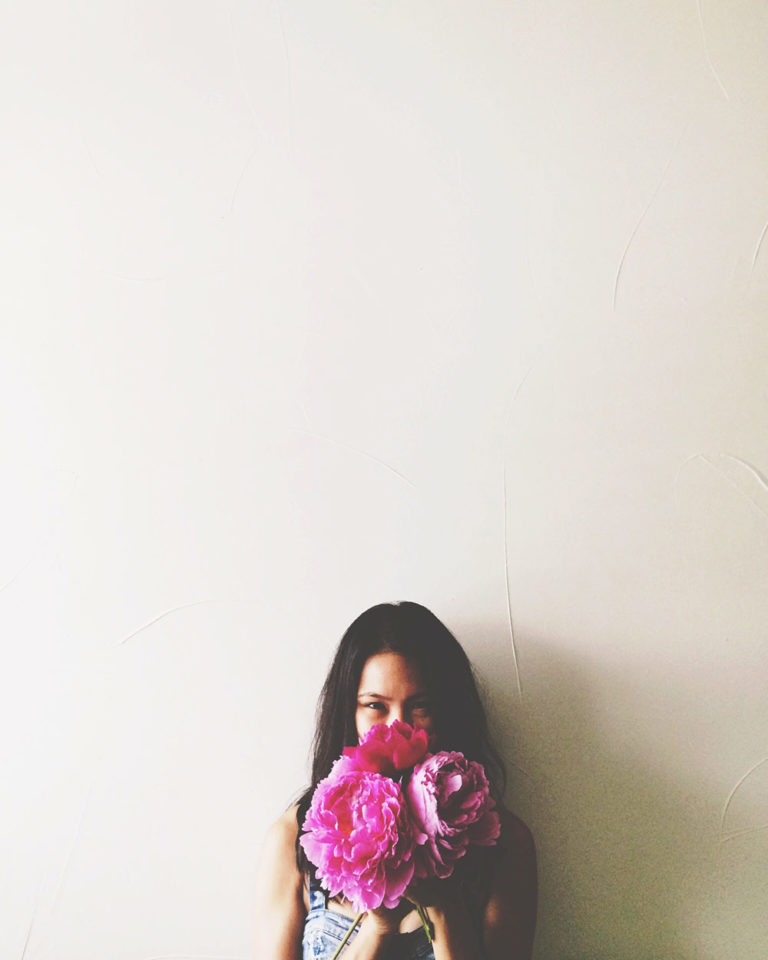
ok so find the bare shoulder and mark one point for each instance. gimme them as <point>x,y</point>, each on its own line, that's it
<point>516,837</point>
<point>282,833</point>
<point>517,865</point>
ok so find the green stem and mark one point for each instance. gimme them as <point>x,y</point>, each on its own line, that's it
<point>347,935</point>
<point>425,921</point>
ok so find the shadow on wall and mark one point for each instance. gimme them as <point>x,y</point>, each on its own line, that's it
<point>627,850</point>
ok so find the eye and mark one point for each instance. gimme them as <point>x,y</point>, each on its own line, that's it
<point>376,705</point>
<point>420,708</point>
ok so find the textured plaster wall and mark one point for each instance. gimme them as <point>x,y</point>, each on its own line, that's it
<point>309,305</point>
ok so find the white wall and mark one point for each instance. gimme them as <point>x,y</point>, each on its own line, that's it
<point>311,305</point>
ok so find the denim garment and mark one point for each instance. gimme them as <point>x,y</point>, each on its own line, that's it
<point>324,930</point>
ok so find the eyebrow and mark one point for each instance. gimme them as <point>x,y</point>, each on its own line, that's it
<point>379,696</point>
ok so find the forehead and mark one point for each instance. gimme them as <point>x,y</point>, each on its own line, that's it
<point>390,674</point>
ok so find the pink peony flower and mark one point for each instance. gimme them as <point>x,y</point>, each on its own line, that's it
<point>358,836</point>
<point>450,804</point>
<point>388,749</point>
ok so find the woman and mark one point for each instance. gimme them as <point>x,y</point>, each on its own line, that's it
<point>399,662</point>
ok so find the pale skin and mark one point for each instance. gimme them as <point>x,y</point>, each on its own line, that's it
<point>391,689</point>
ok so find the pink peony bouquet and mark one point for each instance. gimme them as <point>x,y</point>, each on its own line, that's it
<point>389,812</point>
<point>450,804</point>
<point>359,837</point>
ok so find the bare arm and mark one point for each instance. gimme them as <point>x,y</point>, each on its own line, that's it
<point>280,908</point>
<point>510,916</point>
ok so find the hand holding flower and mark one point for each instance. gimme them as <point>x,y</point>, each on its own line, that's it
<point>437,894</point>
<point>386,920</point>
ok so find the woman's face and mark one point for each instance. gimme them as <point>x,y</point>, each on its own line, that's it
<point>392,688</point>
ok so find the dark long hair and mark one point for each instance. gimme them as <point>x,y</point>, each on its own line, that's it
<point>457,710</point>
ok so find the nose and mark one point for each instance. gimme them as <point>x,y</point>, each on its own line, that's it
<point>396,712</point>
